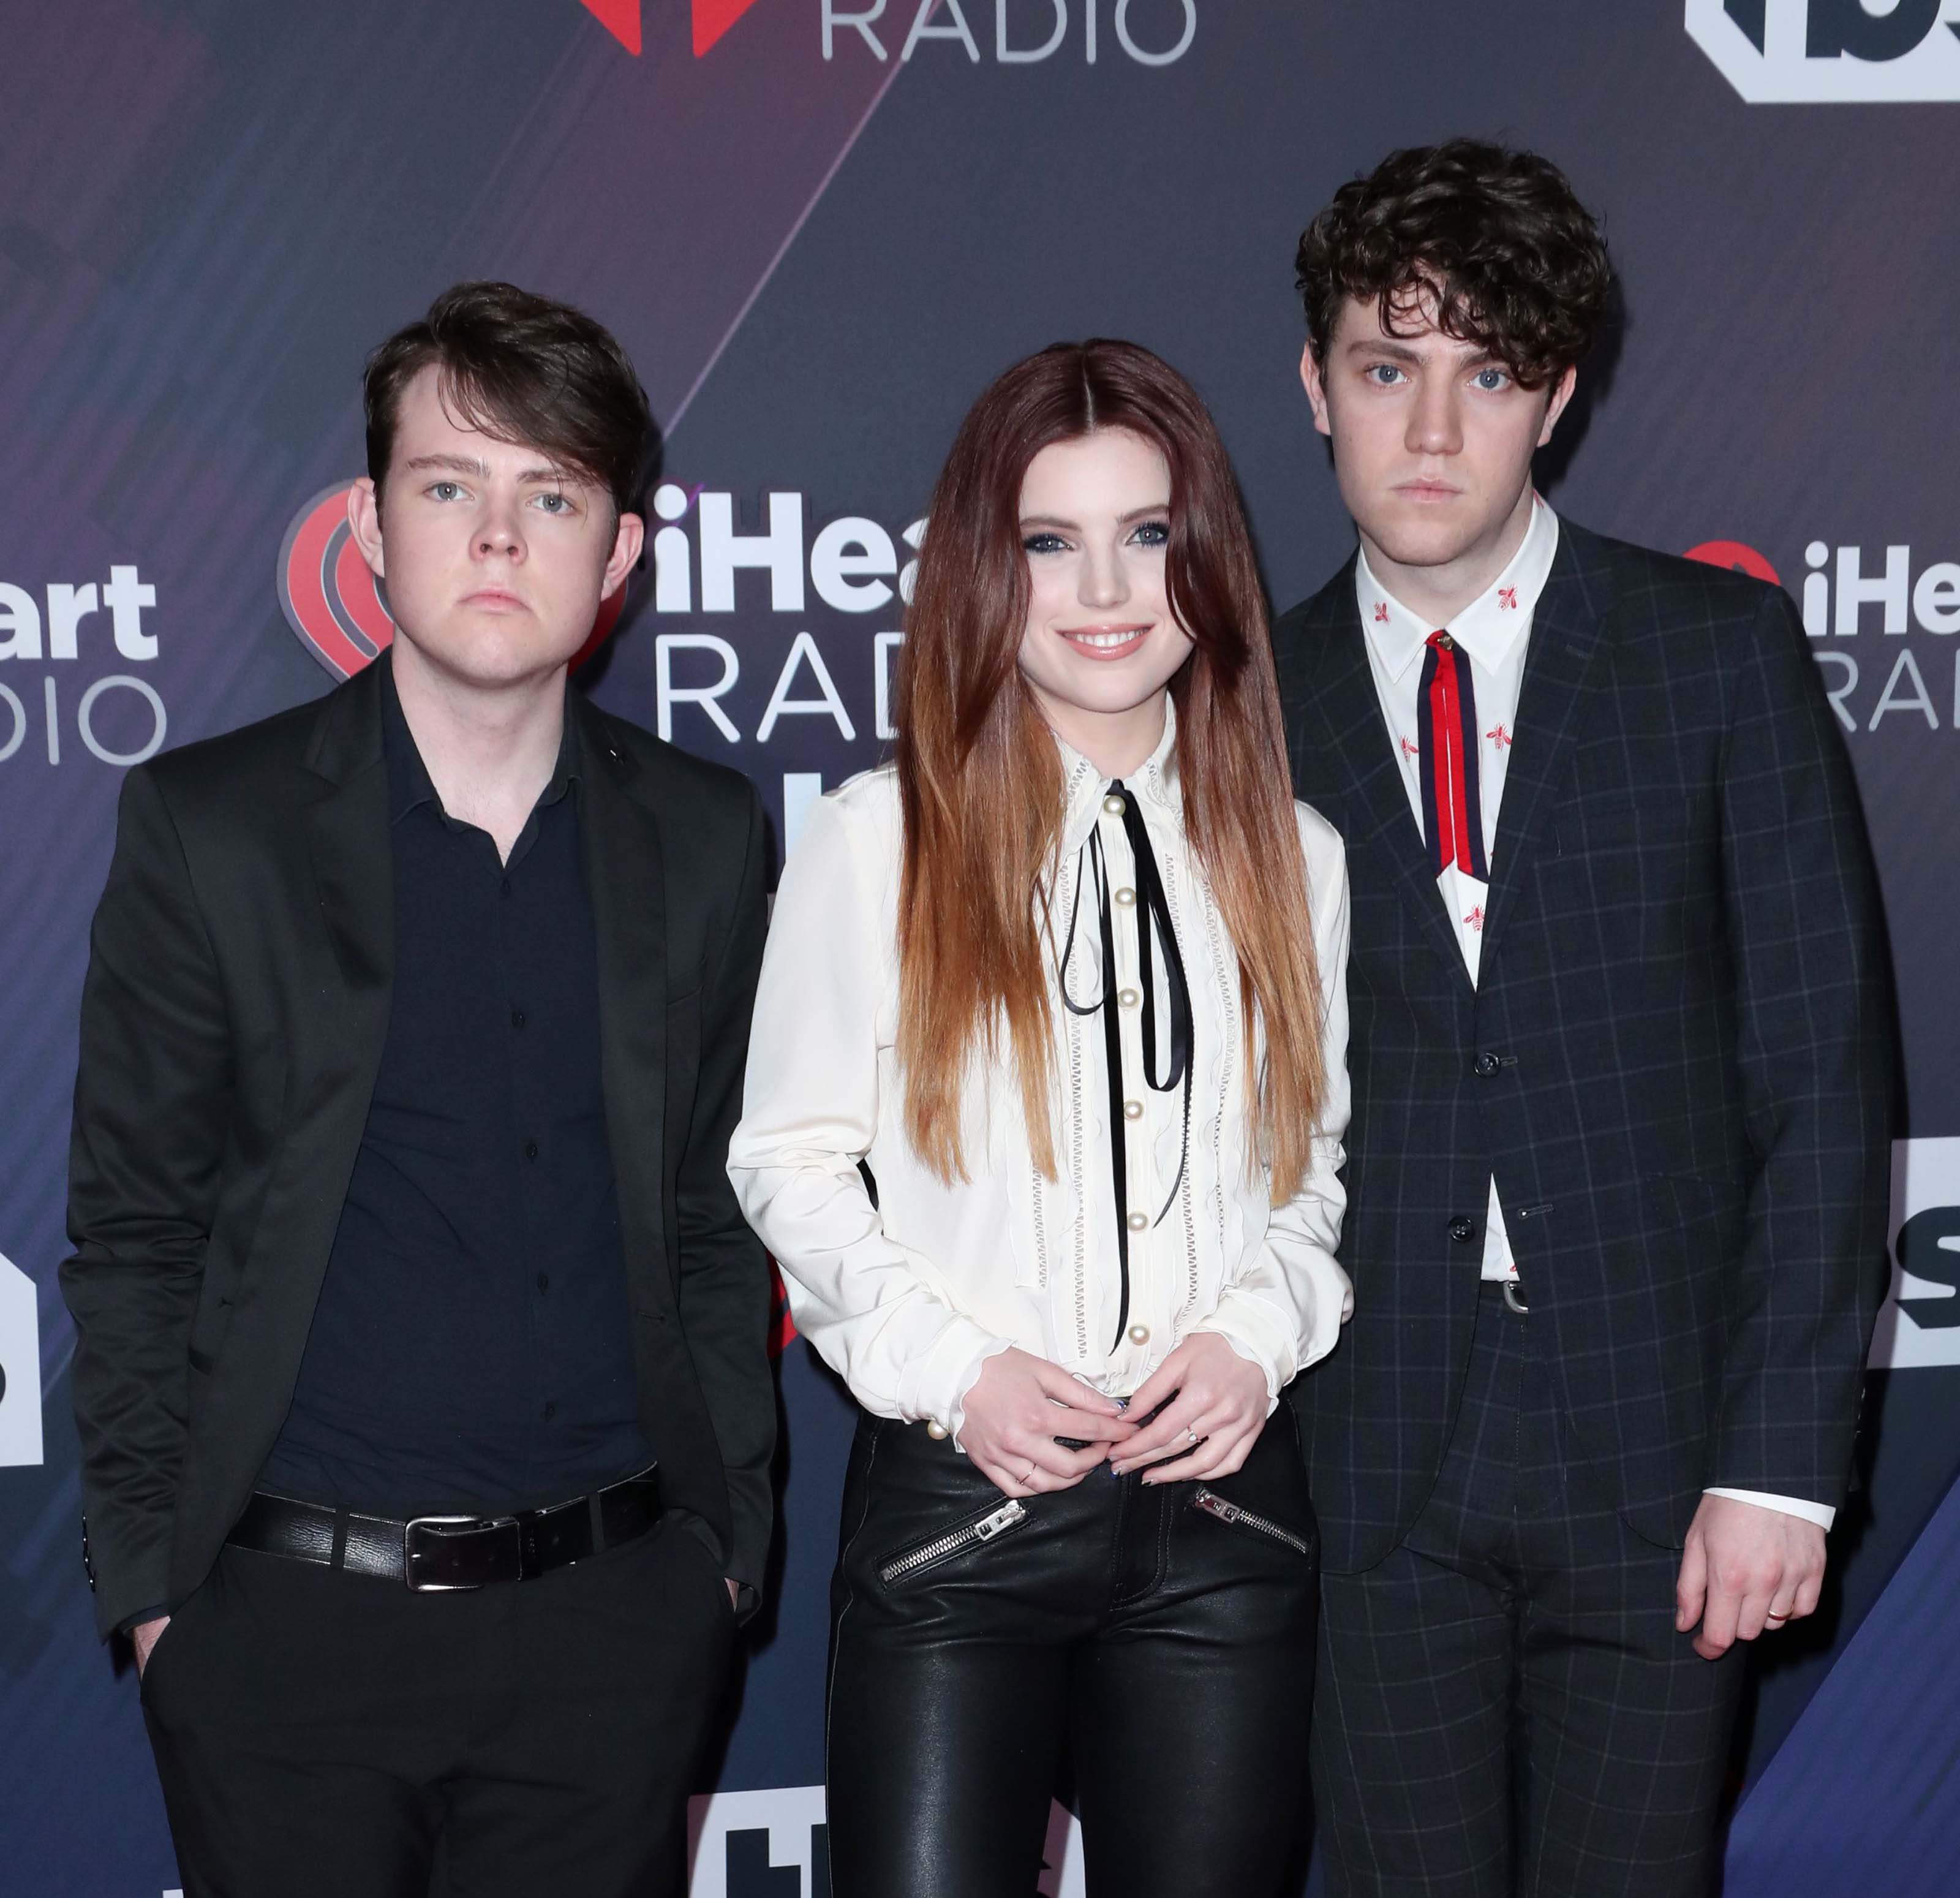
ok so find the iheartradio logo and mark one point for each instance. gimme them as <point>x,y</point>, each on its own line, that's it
<point>332,601</point>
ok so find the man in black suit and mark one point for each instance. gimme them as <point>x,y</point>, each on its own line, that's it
<point>1618,1165</point>
<point>425,1408</point>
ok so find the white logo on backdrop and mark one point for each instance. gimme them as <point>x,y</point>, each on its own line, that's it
<point>60,632</point>
<point>1156,33</point>
<point>1900,683</point>
<point>855,566</point>
<point>20,1368</point>
<point>771,1844</point>
<point>1796,52</point>
<point>1919,1324</point>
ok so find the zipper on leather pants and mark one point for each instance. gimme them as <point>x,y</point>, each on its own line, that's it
<point>1010,1515</point>
<point>1214,1504</point>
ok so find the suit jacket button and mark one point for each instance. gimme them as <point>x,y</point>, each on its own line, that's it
<point>1487,1065</point>
<point>1462,1231</point>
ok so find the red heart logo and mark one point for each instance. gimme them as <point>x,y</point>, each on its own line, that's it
<point>712,18</point>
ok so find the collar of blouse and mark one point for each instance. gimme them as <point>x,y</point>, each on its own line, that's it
<point>1155,783</point>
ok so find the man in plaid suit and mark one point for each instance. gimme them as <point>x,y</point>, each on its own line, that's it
<point>1621,1071</point>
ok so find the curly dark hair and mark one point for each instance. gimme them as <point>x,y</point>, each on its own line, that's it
<point>521,369</point>
<point>1512,261</point>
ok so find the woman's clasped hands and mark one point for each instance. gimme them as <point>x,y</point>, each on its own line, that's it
<point>1198,1416</point>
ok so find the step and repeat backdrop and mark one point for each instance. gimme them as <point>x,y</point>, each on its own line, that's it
<point>821,226</point>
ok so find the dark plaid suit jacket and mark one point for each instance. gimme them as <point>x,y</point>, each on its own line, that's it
<point>1677,1062</point>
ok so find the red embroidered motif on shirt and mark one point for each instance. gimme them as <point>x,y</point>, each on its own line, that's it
<point>1410,749</point>
<point>1381,612</point>
<point>1475,919</point>
<point>1498,737</point>
<point>1507,597</point>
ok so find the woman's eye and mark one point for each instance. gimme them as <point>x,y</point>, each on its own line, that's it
<point>1045,544</point>
<point>1152,533</point>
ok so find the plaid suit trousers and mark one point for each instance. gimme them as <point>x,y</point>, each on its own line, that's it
<point>1503,1704</point>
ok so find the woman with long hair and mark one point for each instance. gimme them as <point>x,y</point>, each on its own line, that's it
<point>1044,1107</point>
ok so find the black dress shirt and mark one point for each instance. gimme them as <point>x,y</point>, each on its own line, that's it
<point>472,1346</point>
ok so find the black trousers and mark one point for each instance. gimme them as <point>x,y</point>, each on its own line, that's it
<point>319,1734</point>
<point>1172,1649</point>
<point>1504,1705</point>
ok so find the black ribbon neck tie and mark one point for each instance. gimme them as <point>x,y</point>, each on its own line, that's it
<point>1166,1067</point>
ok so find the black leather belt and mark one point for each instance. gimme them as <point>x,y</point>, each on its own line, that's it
<point>438,1554</point>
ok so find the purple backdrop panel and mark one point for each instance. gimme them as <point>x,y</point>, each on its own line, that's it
<point>820,226</point>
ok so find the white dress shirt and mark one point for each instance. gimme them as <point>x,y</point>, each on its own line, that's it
<point>908,1299</point>
<point>1493,633</point>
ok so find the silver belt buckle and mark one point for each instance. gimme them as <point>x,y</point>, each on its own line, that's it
<point>423,1553</point>
<point>1512,1302</point>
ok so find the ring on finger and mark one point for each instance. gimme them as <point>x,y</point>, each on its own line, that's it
<point>1774,1620</point>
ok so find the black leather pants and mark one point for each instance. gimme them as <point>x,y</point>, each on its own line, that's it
<point>1164,1634</point>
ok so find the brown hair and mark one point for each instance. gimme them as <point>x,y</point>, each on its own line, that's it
<point>520,369</point>
<point>1491,245</point>
<point>981,780</point>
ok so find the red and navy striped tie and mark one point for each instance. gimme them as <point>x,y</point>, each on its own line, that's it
<point>1447,730</point>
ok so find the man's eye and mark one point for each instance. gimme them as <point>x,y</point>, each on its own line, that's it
<point>1492,380</point>
<point>1045,544</point>
<point>445,490</point>
<point>554,503</point>
<point>1383,374</point>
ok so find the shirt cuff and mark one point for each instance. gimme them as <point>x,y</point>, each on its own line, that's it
<point>130,1623</point>
<point>1821,1514</point>
<point>933,1388</point>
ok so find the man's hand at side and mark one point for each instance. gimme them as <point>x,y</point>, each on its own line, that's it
<point>143,1637</point>
<point>1745,1567</point>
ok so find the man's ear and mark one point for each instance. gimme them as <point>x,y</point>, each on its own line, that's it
<point>628,539</point>
<point>1315,383</point>
<point>364,518</point>
<point>1561,395</point>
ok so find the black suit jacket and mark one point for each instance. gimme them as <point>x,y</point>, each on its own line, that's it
<point>233,1018</point>
<point>1677,1061</point>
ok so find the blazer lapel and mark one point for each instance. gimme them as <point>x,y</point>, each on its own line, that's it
<point>625,876</point>
<point>1563,669</point>
<point>348,842</point>
<point>1377,818</point>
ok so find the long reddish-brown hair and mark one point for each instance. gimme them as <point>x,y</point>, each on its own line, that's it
<point>981,779</point>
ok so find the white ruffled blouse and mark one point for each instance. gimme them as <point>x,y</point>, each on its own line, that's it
<point>908,1298</point>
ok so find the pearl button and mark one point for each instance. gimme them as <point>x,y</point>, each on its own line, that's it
<point>936,1431</point>
<point>1137,1221</point>
<point>1140,1334</point>
<point>1133,1110</point>
<point>1113,806</point>
<point>1127,998</point>
<point>1126,898</point>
